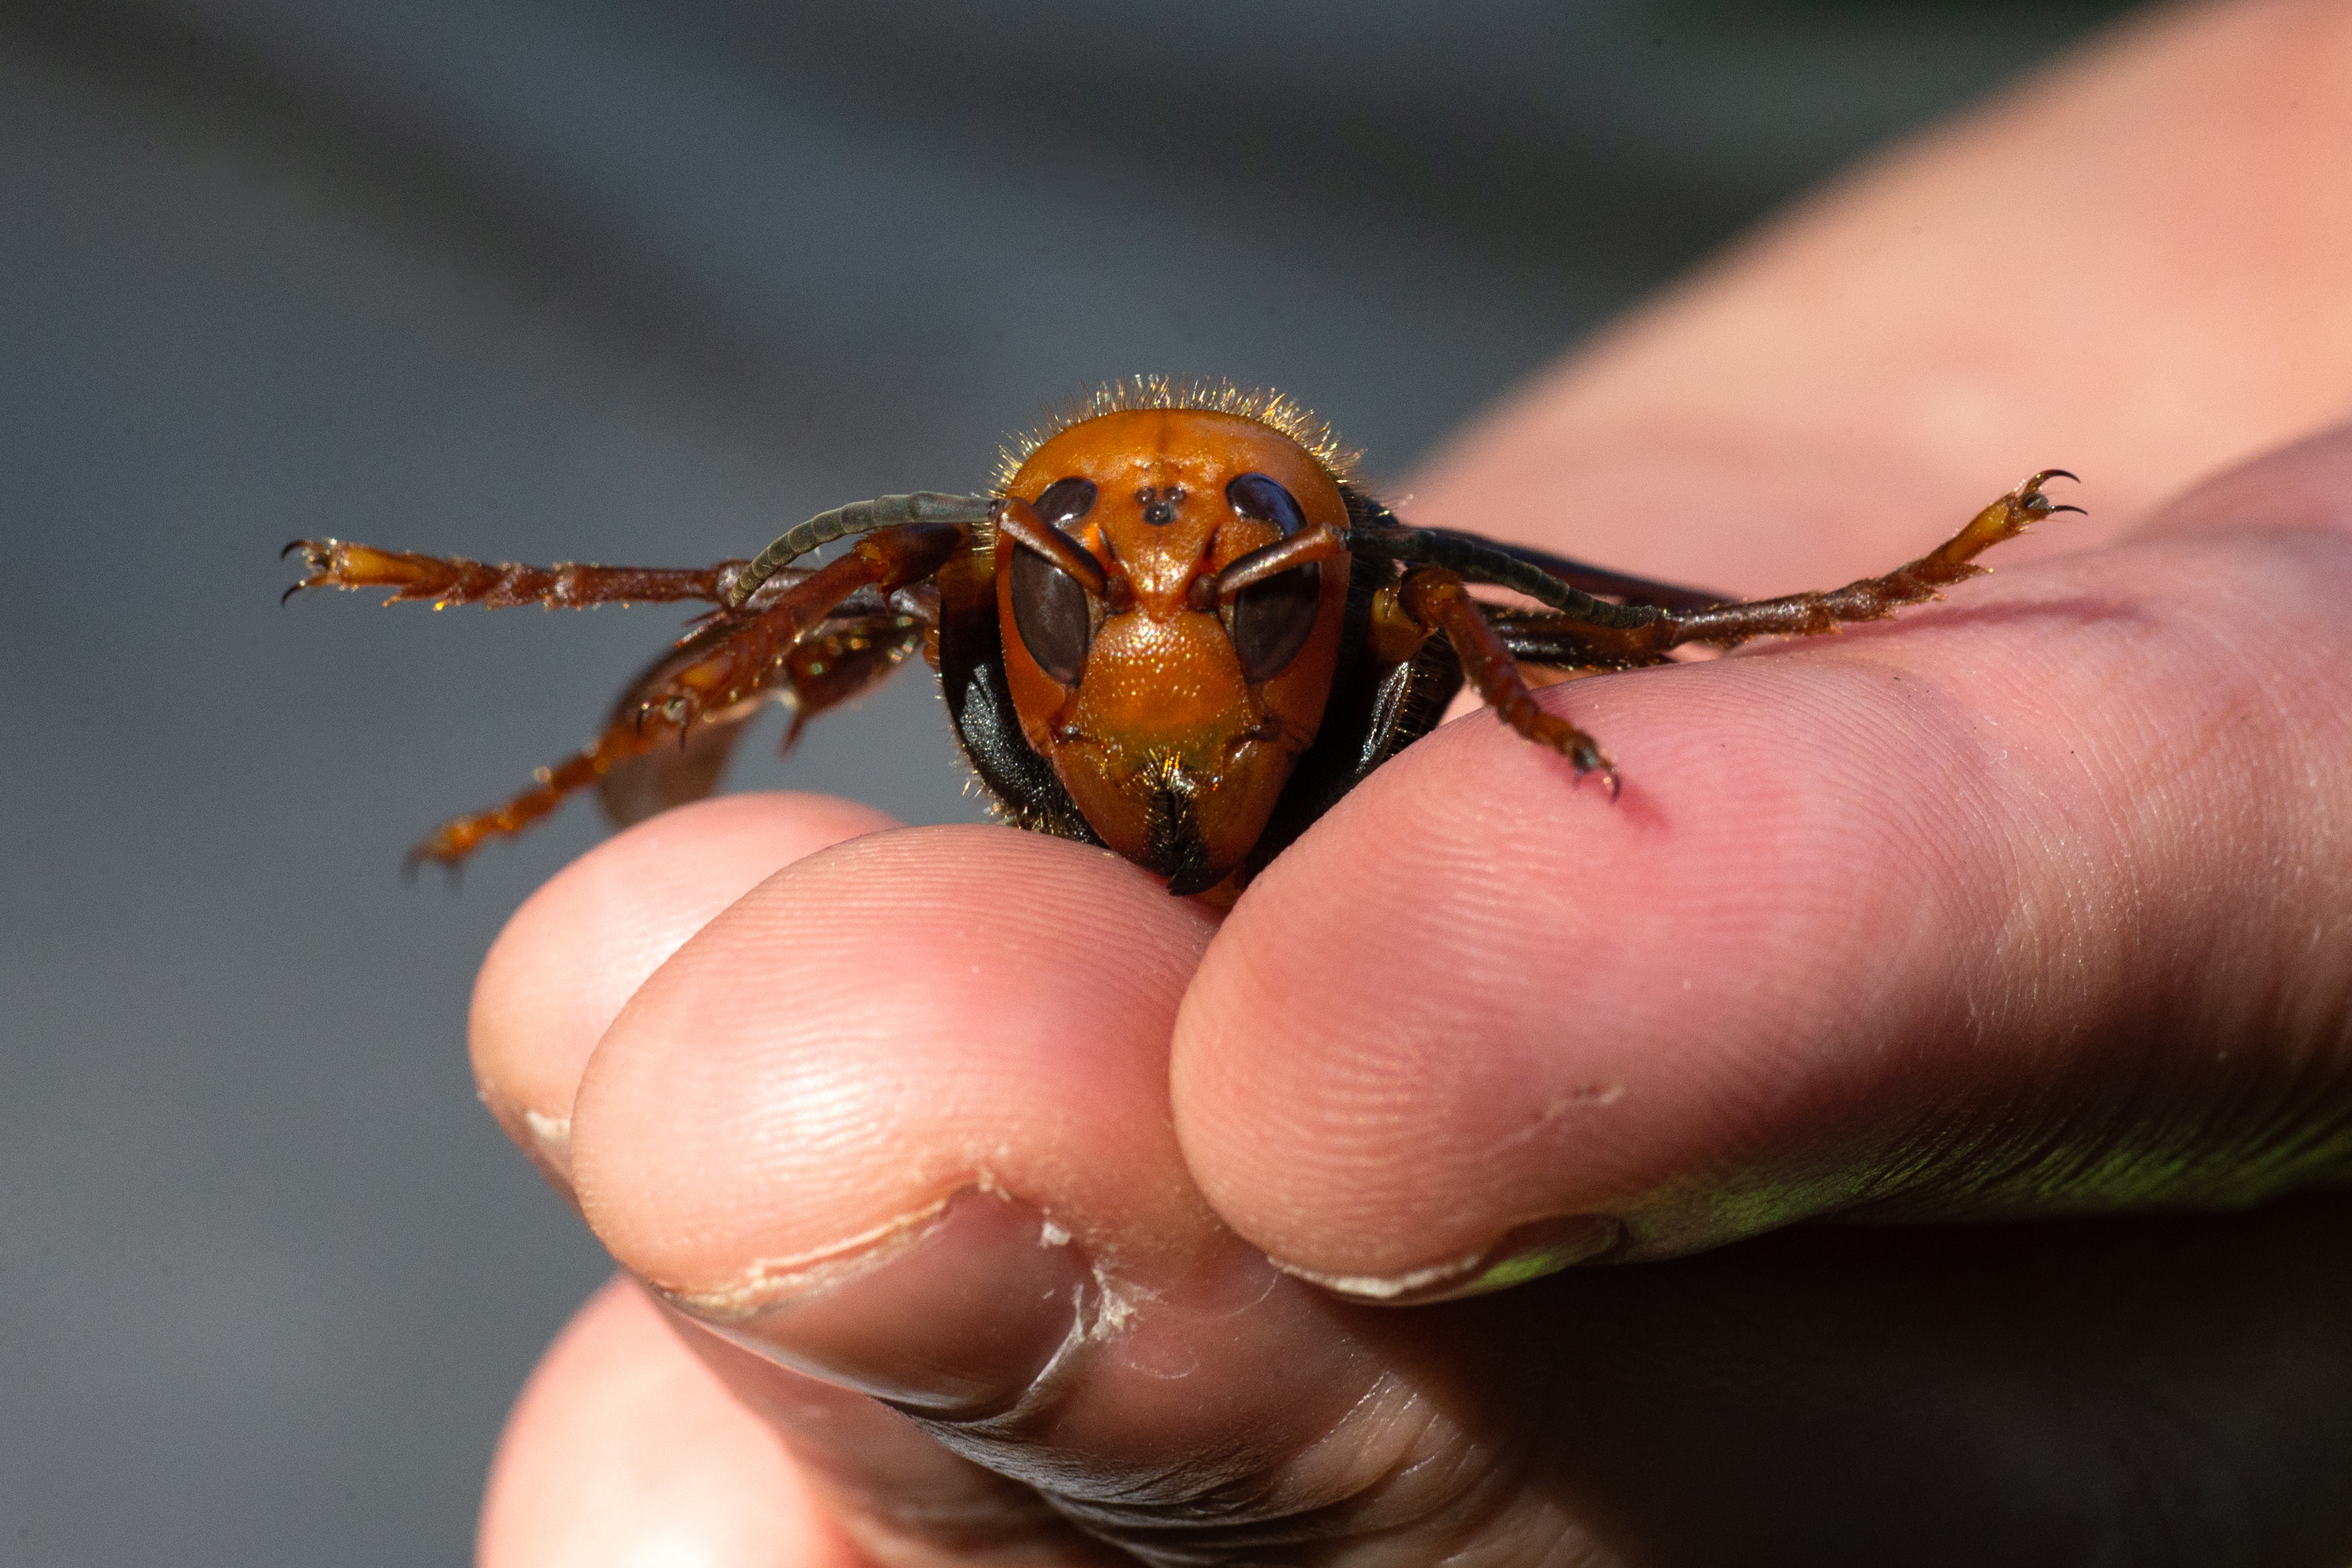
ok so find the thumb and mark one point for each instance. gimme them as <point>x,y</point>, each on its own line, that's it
<point>2039,901</point>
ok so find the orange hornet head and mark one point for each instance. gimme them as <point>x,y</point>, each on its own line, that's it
<point>1173,714</point>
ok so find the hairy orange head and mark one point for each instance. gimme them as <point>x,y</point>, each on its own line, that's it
<point>1172,707</point>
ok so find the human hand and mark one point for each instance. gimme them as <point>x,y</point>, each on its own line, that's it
<point>2032,904</point>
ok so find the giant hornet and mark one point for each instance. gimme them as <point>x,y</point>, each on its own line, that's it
<point>1177,626</point>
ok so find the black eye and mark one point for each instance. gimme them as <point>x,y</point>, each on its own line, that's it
<point>1049,609</point>
<point>1272,619</point>
<point>1256,496</point>
<point>1063,502</point>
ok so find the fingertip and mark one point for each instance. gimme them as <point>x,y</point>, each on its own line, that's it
<point>568,960</point>
<point>894,1020</point>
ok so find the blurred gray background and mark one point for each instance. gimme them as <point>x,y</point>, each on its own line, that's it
<point>641,282</point>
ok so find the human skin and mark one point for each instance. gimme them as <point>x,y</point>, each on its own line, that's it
<point>2035,906</point>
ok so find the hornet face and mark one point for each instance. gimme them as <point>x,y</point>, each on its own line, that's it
<point>1172,694</point>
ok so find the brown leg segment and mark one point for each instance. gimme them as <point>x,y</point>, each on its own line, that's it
<point>1437,599</point>
<point>1872,598</point>
<point>850,655</point>
<point>453,841</point>
<point>1561,642</point>
<point>718,674</point>
<point>454,580</point>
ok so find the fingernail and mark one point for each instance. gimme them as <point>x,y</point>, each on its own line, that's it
<point>950,1310</point>
<point>1528,1252</point>
<point>550,1143</point>
<point>545,1141</point>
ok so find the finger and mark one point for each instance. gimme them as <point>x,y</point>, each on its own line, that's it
<point>818,998</point>
<point>623,907</point>
<point>867,1083</point>
<point>1845,1372</point>
<point>898,1119</point>
<point>2131,265</point>
<point>624,1450</point>
<point>562,971</point>
<point>2031,903</point>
